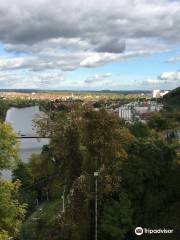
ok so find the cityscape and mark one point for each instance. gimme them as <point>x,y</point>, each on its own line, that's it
<point>132,111</point>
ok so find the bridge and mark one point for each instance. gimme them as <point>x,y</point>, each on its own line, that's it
<point>31,135</point>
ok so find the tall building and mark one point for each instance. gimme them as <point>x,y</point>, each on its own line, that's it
<point>156,93</point>
<point>125,113</point>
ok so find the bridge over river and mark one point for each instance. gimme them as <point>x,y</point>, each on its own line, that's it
<point>30,135</point>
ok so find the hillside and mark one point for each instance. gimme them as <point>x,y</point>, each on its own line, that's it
<point>172,99</point>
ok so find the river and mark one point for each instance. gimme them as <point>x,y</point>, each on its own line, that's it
<point>21,119</point>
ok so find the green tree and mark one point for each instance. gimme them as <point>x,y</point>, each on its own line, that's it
<point>158,122</point>
<point>4,105</point>
<point>116,218</point>
<point>11,211</point>
<point>150,177</point>
<point>78,141</point>
<point>139,129</point>
<point>8,146</point>
<point>138,170</point>
<point>27,193</point>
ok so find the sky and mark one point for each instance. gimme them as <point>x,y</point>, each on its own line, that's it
<point>90,45</point>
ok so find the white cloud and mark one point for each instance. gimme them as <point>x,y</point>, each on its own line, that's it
<point>54,60</point>
<point>100,26</point>
<point>166,80</point>
<point>66,35</point>
<point>174,59</point>
<point>153,81</point>
<point>19,79</point>
<point>98,59</point>
<point>98,77</point>
<point>170,77</point>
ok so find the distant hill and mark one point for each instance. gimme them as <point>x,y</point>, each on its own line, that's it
<point>172,99</point>
<point>125,92</point>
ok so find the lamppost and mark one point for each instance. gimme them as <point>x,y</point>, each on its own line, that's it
<point>96,174</point>
<point>63,200</point>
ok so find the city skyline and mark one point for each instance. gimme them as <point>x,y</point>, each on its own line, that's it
<point>75,45</point>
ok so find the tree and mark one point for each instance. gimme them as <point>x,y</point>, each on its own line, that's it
<point>11,212</point>
<point>158,122</point>
<point>26,192</point>
<point>4,105</point>
<point>116,218</point>
<point>8,146</point>
<point>150,179</point>
<point>140,129</point>
<point>138,170</point>
<point>78,141</point>
<point>106,139</point>
<point>65,144</point>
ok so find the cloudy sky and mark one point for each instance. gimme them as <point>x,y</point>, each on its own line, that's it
<point>80,45</point>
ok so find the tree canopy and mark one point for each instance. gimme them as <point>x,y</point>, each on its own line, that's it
<point>8,146</point>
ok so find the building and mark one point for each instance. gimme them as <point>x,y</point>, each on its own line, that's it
<point>163,93</point>
<point>126,113</point>
<point>139,110</point>
<point>158,93</point>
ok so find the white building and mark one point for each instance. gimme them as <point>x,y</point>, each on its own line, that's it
<point>141,109</point>
<point>163,93</point>
<point>133,111</point>
<point>158,93</point>
<point>125,113</point>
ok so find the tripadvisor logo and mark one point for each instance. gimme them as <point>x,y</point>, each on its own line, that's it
<point>139,231</point>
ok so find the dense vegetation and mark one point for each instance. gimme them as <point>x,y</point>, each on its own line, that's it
<point>12,212</point>
<point>138,170</point>
<point>172,100</point>
<point>138,182</point>
<point>4,105</point>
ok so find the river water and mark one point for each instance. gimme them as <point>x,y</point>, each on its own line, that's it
<point>21,119</point>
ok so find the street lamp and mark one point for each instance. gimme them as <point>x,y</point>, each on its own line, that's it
<point>63,200</point>
<point>96,174</point>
